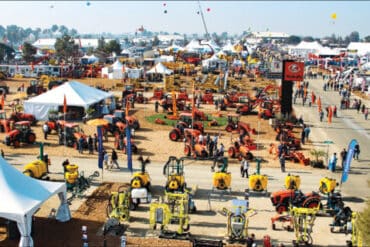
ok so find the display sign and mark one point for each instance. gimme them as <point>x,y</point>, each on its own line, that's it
<point>293,71</point>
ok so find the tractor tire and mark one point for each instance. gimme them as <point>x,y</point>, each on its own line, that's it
<point>311,203</point>
<point>186,228</point>
<point>231,152</point>
<point>281,208</point>
<point>174,135</point>
<point>31,138</point>
<point>249,156</point>
<point>16,143</point>
<point>29,172</point>
<point>187,150</point>
<point>273,227</point>
<point>229,128</point>
<point>136,125</point>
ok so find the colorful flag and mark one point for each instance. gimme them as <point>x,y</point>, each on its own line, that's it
<point>128,148</point>
<point>65,105</point>
<point>100,147</point>
<point>347,162</point>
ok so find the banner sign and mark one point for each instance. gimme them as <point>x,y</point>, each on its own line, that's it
<point>128,148</point>
<point>293,71</point>
<point>100,147</point>
<point>347,162</point>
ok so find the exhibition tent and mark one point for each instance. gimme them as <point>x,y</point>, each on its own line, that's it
<point>159,68</point>
<point>76,93</point>
<point>22,196</point>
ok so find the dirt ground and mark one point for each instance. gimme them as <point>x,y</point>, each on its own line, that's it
<point>92,212</point>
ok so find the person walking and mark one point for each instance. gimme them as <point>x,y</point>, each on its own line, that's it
<point>343,156</point>
<point>332,162</point>
<point>90,144</point>
<point>105,159</point>
<point>303,136</point>
<point>366,113</point>
<point>244,166</point>
<point>114,159</point>
<point>80,145</point>
<point>307,131</point>
<point>356,151</point>
<point>282,151</point>
<point>321,115</point>
<point>215,140</point>
<point>45,129</point>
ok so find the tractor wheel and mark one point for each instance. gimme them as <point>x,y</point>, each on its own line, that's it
<point>332,229</point>
<point>186,228</point>
<point>31,138</point>
<point>249,156</point>
<point>231,152</point>
<point>229,128</point>
<point>16,143</point>
<point>30,173</point>
<point>311,203</point>
<point>273,227</point>
<point>281,208</point>
<point>136,125</point>
<point>187,150</point>
<point>242,132</point>
<point>174,135</point>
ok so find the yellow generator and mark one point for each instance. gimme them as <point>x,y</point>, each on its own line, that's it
<point>292,182</point>
<point>174,169</point>
<point>71,175</point>
<point>140,185</point>
<point>327,185</point>
<point>221,180</point>
<point>258,182</point>
<point>37,169</point>
<point>119,205</point>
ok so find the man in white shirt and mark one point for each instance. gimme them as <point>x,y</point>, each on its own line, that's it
<point>244,166</point>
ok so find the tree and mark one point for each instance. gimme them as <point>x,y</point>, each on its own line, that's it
<point>54,28</point>
<point>6,52</point>
<point>293,40</point>
<point>155,41</point>
<point>308,39</point>
<point>113,46</point>
<point>354,36</point>
<point>28,52</point>
<point>63,29</point>
<point>367,38</point>
<point>65,47</point>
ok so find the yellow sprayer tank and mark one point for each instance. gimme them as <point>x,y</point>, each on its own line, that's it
<point>258,182</point>
<point>327,185</point>
<point>292,182</point>
<point>222,180</point>
<point>36,169</point>
<point>140,179</point>
<point>71,175</point>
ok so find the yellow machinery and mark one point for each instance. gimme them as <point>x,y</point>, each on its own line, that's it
<point>140,185</point>
<point>258,182</point>
<point>327,185</point>
<point>303,221</point>
<point>221,180</point>
<point>292,182</point>
<point>174,210</point>
<point>174,170</point>
<point>238,220</point>
<point>71,175</point>
<point>38,168</point>
<point>119,205</point>
<point>356,238</point>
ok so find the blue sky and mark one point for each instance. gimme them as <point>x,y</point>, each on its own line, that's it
<point>306,18</point>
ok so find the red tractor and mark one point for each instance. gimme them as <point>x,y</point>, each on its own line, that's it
<point>234,124</point>
<point>196,151</point>
<point>282,199</point>
<point>22,133</point>
<point>54,123</point>
<point>207,97</point>
<point>71,134</point>
<point>183,95</point>
<point>158,94</point>
<point>21,116</point>
<point>115,126</point>
<point>132,121</point>
<point>139,98</point>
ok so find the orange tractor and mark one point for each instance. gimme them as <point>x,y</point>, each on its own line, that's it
<point>21,116</point>
<point>234,123</point>
<point>240,151</point>
<point>4,122</point>
<point>22,133</point>
<point>115,126</point>
<point>132,121</point>
<point>70,135</point>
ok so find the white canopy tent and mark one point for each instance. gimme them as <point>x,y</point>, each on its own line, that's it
<point>22,196</point>
<point>159,68</point>
<point>77,94</point>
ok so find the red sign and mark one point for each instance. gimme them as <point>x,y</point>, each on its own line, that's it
<point>293,71</point>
